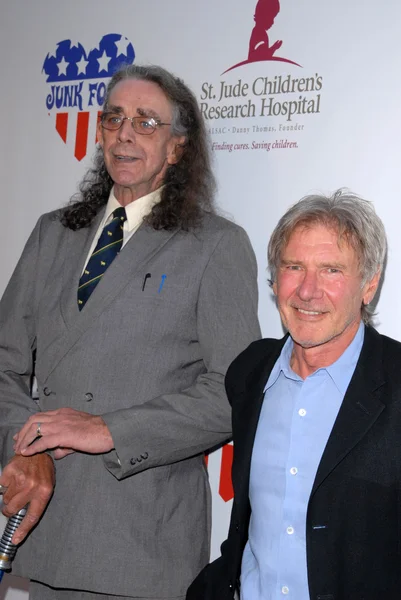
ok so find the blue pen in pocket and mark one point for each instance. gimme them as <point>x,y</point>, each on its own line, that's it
<point>162,283</point>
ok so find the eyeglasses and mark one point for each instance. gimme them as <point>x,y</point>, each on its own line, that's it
<point>142,125</point>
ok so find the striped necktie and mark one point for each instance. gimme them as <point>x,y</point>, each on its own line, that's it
<point>107,248</point>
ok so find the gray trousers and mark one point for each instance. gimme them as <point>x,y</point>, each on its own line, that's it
<point>40,591</point>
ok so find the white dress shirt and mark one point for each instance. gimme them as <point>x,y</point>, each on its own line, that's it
<point>136,211</point>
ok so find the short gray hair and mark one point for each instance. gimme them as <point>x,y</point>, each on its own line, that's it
<point>352,217</point>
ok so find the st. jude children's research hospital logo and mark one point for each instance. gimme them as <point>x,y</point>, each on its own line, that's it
<point>268,106</point>
<point>77,81</point>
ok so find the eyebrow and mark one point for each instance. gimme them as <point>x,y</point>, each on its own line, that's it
<point>148,112</point>
<point>332,265</point>
<point>142,112</point>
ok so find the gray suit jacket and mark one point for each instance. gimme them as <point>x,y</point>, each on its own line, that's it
<point>151,360</point>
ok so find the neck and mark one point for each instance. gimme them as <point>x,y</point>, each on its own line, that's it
<point>306,360</point>
<point>126,195</point>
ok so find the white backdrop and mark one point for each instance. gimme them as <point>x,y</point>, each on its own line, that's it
<point>346,130</point>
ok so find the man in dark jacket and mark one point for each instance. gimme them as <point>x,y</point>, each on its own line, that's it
<point>316,424</point>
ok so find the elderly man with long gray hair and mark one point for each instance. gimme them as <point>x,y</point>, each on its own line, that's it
<point>316,423</point>
<point>128,306</point>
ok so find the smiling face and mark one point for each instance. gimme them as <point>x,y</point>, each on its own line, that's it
<point>136,162</point>
<point>319,289</point>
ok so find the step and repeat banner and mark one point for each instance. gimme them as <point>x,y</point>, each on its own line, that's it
<point>298,97</point>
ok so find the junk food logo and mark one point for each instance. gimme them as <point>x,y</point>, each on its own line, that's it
<point>77,81</point>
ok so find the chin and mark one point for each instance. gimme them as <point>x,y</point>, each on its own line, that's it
<point>124,177</point>
<point>307,338</point>
<point>312,341</point>
<point>308,343</point>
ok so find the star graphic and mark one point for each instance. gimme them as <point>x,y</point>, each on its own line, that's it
<point>74,44</point>
<point>52,54</point>
<point>62,66</point>
<point>103,62</point>
<point>82,66</point>
<point>122,45</point>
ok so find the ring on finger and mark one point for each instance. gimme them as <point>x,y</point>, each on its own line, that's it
<point>38,432</point>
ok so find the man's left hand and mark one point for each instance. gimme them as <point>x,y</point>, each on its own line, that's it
<point>64,430</point>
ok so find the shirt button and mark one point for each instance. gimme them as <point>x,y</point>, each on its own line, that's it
<point>293,470</point>
<point>290,530</point>
<point>285,590</point>
<point>302,412</point>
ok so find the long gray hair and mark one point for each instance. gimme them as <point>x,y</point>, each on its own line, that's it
<point>189,184</point>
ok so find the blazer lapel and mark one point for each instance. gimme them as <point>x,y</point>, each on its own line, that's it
<point>360,408</point>
<point>78,245</point>
<point>140,249</point>
<point>246,412</point>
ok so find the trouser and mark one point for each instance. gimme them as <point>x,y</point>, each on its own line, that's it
<point>40,591</point>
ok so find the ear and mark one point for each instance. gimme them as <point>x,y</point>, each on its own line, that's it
<point>274,288</point>
<point>370,288</point>
<point>176,149</point>
<point>99,131</point>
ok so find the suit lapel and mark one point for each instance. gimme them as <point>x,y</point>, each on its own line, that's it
<point>246,412</point>
<point>360,408</point>
<point>78,245</point>
<point>140,249</point>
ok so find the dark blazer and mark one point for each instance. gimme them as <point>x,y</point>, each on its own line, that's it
<point>356,494</point>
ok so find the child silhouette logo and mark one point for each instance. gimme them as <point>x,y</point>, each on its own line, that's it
<point>259,44</point>
<point>265,13</point>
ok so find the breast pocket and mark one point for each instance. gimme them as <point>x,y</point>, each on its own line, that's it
<point>162,287</point>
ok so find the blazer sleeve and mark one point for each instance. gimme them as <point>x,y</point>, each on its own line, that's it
<point>18,344</point>
<point>176,426</point>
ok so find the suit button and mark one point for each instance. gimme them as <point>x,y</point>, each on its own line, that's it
<point>144,455</point>
<point>88,397</point>
<point>133,461</point>
<point>47,391</point>
<point>237,527</point>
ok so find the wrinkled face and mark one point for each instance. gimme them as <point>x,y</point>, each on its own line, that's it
<point>136,161</point>
<point>319,288</point>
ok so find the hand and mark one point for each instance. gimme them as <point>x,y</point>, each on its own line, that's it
<point>64,430</point>
<point>276,46</point>
<point>29,480</point>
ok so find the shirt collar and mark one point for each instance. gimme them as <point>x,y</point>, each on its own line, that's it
<point>136,210</point>
<point>340,371</point>
<point>282,365</point>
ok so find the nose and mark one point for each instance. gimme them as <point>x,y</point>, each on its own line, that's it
<point>126,132</point>
<point>309,288</point>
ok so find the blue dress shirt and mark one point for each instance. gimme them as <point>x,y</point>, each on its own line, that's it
<point>296,419</point>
